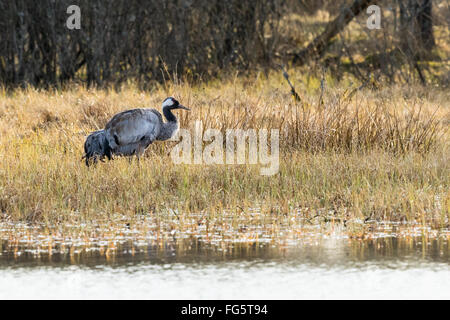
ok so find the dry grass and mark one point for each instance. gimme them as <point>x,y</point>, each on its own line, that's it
<point>377,155</point>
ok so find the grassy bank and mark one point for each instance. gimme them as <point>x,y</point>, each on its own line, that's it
<point>371,154</point>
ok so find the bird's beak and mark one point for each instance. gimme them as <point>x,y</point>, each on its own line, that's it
<point>183,107</point>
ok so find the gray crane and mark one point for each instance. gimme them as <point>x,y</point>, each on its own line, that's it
<point>130,132</point>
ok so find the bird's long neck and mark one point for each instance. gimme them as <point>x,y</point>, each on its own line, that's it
<point>168,128</point>
<point>170,117</point>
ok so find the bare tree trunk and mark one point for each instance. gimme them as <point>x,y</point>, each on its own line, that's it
<point>416,30</point>
<point>425,21</point>
<point>320,43</point>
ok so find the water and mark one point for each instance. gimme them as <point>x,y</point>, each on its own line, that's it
<point>326,268</point>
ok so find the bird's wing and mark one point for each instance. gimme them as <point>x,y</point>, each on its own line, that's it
<point>132,126</point>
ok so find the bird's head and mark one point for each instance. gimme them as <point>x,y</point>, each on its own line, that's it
<point>171,104</point>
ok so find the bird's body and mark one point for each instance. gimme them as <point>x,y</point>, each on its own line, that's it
<point>130,132</point>
<point>133,129</point>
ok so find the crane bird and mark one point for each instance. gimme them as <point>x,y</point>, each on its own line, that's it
<point>130,132</point>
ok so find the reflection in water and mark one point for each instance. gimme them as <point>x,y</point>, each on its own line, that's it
<point>189,251</point>
<point>381,269</point>
<point>117,242</point>
<point>315,265</point>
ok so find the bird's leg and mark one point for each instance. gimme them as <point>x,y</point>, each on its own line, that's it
<point>145,142</point>
<point>139,153</point>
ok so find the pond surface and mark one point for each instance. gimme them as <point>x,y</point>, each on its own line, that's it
<point>414,267</point>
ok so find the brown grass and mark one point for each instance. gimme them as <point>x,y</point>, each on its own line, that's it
<point>377,155</point>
